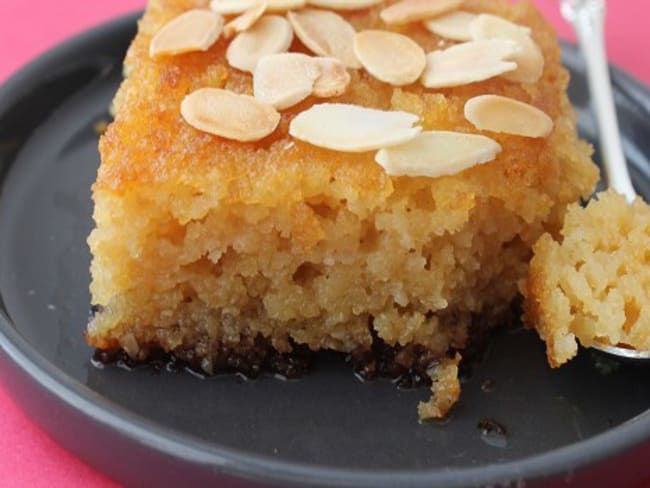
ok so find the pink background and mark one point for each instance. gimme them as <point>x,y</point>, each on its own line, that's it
<point>27,28</point>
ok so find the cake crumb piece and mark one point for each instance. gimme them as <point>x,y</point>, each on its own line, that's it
<point>100,126</point>
<point>593,284</point>
<point>445,389</point>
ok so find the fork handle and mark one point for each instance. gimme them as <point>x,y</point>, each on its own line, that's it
<point>588,18</point>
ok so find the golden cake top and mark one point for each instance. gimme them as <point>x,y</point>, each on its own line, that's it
<point>223,91</point>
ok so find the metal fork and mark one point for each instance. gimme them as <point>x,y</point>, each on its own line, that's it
<point>588,19</point>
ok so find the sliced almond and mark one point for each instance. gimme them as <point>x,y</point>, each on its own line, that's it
<point>326,34</point>
<point>230,115</point>
<point>285,79</point>
<point>232,7</point>
<point>501,114</point>
<point>351,128</point>
<point>246,20</point>
<point>469,62</point>
<point>414,10</point>
<point>195,30</point>
<point>454,25</point>
<point>272,34</point>
<point>390,57</point>
<point>438,153</point>
<point>333,80</point>
<point>344,4</point>
<point>488,26</point>
<point>530,59</point>
<point>284,5</point>
<point>236,7</point>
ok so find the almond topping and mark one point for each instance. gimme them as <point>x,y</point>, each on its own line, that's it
<point>454,26</point>
<point>344,4</point>
<point>469,62</point>
<point>230,115</point>
<point>501,114</point>
<point>333,80</point>
<point>413,10</point>
<point>530,60</point>
<point>270,35</point>
<point>390,57</point>
<point>285,79</point>
<point>246,20</point>
<point>351,128</point>
<point>438,153</point>
<point>195,30</point>
<point>236,7</point>
<point>492,26</point>
<point>284,5</point>
<point>232,7</point>
<point>326,34</point>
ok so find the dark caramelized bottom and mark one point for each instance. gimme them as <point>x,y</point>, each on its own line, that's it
<point>409,366</point>
<point>249,358</point>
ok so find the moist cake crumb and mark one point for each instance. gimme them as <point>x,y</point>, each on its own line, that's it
<point>592,284</point>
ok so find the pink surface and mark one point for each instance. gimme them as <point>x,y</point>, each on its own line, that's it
<point>29,28</point>
<point>27,456</point>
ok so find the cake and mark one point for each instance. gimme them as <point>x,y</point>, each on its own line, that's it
<point>365,177</point>
<point>592,284</point>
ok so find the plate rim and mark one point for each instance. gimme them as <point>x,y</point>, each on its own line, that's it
<point>138,429</point>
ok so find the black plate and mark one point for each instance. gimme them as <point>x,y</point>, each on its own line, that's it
<point>581,423</point>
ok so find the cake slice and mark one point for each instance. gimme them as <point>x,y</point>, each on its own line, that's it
<point>243,218</point>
